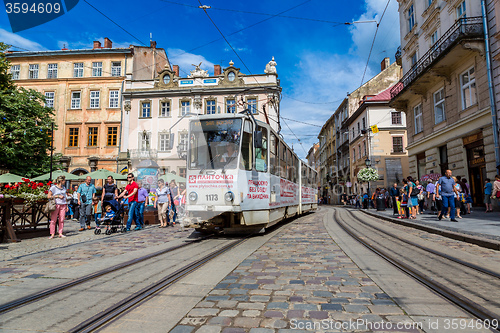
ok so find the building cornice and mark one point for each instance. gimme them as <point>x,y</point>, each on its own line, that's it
<point>61,53</point>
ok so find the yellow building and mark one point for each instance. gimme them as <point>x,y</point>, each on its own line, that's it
<point>85,89</point>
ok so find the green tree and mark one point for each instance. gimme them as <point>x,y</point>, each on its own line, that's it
<point>25,125</point>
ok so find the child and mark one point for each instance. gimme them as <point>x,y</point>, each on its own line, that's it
<point>404,205</point>
<point>97,210</point>
<point>109,215</point>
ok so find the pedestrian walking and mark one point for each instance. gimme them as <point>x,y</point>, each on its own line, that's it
<point>394,193</point>
<point>420,197</point>
<point>174,193</point>
<point>468,196</point>
<point>109,190</point>
<point>488,190</point>
<point>58,192</point>
<point>74,204</point>
<point>163,203</point>
<point>142,201</point>
<point>412,193</point>
<point>458,197</point>
<point>69,211</point>
<point>86,192</point>
<point>130,193</point>
<point>430,197</point>
<point>446,189</point>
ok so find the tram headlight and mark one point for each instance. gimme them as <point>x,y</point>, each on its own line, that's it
<point>229,196</point>
<point>193,196</point>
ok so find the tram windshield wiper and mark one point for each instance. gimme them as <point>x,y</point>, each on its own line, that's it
<point>210,163</point>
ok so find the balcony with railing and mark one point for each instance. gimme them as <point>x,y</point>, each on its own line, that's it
<point>143,154</point>
<point>464,29</point>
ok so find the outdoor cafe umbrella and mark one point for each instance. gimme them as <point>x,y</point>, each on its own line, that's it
<point>10,178</point>
<point>57,173</point>
<point>103,174</point>
<point>168,177</point>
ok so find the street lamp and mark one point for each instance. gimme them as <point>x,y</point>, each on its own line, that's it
<point>368,163</point>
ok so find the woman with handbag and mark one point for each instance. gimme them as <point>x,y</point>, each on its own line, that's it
<point>57,192</point>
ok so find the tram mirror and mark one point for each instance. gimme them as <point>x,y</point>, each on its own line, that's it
<point>258,139</point>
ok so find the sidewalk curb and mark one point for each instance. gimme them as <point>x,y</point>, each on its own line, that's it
<point>482,242</point>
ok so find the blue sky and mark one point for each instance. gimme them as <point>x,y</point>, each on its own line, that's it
<point>320,59</point>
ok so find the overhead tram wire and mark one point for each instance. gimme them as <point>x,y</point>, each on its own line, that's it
<point>373,42</point>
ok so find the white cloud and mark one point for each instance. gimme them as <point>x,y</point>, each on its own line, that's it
<point>185,60</point>
<point>322,81</point>
<point>387,36</point>
<point>19,42</point>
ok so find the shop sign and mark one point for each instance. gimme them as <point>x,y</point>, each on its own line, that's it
<point>472,138</point>
<point>477,161</point>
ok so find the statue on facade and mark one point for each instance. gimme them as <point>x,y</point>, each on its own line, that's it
<point>198,72</point>
<point>271,67</point>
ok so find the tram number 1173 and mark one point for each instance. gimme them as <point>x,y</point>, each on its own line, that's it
<point>212,197</point>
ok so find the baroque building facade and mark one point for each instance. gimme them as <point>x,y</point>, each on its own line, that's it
<point>155,123</point>
<point>85,88</point>
<point>444,90</point>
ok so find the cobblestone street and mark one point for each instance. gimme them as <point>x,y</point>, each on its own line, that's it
<point>297,279</point>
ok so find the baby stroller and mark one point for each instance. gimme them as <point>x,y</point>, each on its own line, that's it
<point>112,224</point>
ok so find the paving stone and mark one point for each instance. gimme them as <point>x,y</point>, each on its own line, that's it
<point>247,322</point>
<point>227,304</point>
<point>273,314</point>
<point>182,329</point>
<point>356,308</point>
<point>259,298</point>
<point>229,313</point>
<point>318,314</point>
<point>251,306</point>
<point>219,292</point>
<point>205,304</point>
<point>201,312</point>
<point>383,302</point>
<point>322,294</point>
<point>251,313</point>
<point>331,307</point>
<point>273,323</point>
<point>340,300</point>
<point>302,306</point>
<point>233,330</point>
<point>261,330</point>
<point>223,321</point>
<point>217,298</point>
<point>277,305</point>
<point>295,314</point>
<point>209,329</point>
<point>193,321</point>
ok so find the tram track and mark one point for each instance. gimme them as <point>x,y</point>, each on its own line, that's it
<point>135,300</point>
<point>6,307</point>
<point>443,273</point>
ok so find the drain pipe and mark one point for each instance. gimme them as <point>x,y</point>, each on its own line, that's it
<point>490,85</point>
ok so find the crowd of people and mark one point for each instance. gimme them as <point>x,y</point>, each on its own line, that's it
<point>82,203</point>
<point>448,197</point>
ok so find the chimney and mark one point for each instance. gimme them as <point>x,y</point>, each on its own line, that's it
<point>385,63</point>
<point>217,70</point>
<point>152,44</point>
<point>107,43</point>
<point>97,44</point>
<point>176,69</point>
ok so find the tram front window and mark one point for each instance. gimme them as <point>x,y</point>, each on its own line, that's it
<point>214,144</point>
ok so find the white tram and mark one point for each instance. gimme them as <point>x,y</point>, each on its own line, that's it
<point>242,177</point>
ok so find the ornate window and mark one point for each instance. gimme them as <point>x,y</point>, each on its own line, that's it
<point>419,120</point>
<point>94,99</point>
<point>252,105</point>
<point>114,99</point>
<point>165,109</point>
<point>33,71</point>
<point>163,141</point>
<point>185,107</point>
<point>78,69</point>
<point>439,115</point>
<point>145,109</point>
<point>411,18</point>
<point>52,71</point>
<point>76,99</point>
<point>15,71</point>
<point>73,137</point>
<point>49,99</point>
<point>468,88</point>
<point>97,68</point>
<point>210,107</point>
<point>112,138</point>
<point>92,137</point>
<point>231,106</point>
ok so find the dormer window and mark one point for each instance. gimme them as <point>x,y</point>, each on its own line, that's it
<point>166,79</point>
<point>231,76</point>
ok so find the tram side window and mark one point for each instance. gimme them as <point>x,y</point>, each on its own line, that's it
<point>247,146</point>
<point>261,153</point>
<point>282,160</point>
<point>274,160</point>
<point>289,160</point>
